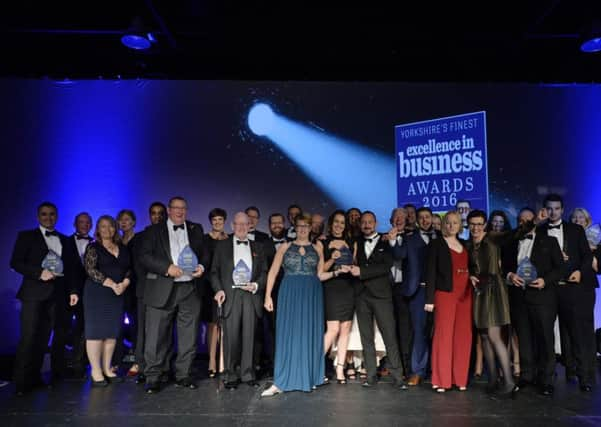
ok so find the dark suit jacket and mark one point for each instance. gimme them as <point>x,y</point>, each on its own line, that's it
<point>78,275</point>
<point>155,259</point>
<point>28,254</point>
<point>575,245</point>
<point>546,257</point>
<point>223,267</point>
<point>375,270</point>
<point>414,253</point>
<point>439,268</point>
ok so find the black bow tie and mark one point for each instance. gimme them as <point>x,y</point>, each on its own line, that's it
<point>527,236</point>
<point>427,233</point>
<point>242,242</point>
<point>373,239</point>
<point>175,227</point>
<point>279,240</point>
<point>551,227</point>
<point>251,232</point>
<point>51,233</point>
<point>78,237</point>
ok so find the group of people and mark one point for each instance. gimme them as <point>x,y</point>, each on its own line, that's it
<point>416,294</point>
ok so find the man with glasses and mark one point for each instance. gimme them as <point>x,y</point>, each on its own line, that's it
<point>172,293</point>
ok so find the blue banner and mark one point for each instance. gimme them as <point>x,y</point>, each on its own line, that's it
<point>441,161</point>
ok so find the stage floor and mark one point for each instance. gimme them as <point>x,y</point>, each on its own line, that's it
<point>74,402</point>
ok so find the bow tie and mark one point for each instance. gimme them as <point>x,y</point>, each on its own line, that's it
<point>241,242</point>
<point>427,233</point>
<point>78,237</point>
<point>527,236</point>
<point>279,240</point>
<point>373,239</point>
<point>175,227</point>
<point>51,233</point>
<point>551,227</point>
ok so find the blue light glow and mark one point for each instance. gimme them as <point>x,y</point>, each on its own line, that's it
<point>351,174</point>
<point>591,46</point>
<point>135,42</point>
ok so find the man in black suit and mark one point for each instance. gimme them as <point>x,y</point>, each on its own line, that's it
<point>43,301</point>
<point>534,304</point>
<point>242,299</point>
<point>76,245</point>
<point>171,293</point>
<point>253,214</point>
<point>576,293</point>
<point>294,210</point>
<point>157,213</point>
<point>374,299</point>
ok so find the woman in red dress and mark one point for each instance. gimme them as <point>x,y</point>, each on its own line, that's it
<point>449,296</point>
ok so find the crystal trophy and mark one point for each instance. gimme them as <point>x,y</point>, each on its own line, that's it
<point>527,271</point>
<point>241,275</point>
<point>345,258</point>
<point>593,235</point>
<point>53,263</point>
<point>187,260</point>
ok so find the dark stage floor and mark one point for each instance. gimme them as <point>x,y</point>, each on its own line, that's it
<point>73,402</point>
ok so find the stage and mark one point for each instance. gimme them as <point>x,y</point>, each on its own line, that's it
<point>74,402</point>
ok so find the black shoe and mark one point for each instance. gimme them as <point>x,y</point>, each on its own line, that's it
<point>187,383</point>
<point>547,390</point>
<point>400,384</point>
<point>522,383</point>
<point>152,388</point>
<point>21,390</point>
<point>587,388</point>
<point>114,380</point>
<point>164,378</point>
<point>506,394</point>
<point>231,385</point>
<point>252,383</point>
<point>141,379</point>
<point>369,382</point>
<point>102,383</point>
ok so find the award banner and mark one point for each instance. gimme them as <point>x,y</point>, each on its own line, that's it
<point>441,161</point>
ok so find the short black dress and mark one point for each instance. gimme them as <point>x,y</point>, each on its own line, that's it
<point>102,307</point>
<point>339,292</point>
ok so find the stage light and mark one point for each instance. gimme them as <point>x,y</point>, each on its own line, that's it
<point>137,36</point>
<point>260,119</point>
<point>592,38</point>
<point>350,173</point>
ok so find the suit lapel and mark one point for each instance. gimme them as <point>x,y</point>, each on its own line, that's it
<point>164,237</point>
<point>230,253</point>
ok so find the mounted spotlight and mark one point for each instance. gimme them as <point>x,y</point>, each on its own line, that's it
<point>137,37</point>
<point>592,38</point>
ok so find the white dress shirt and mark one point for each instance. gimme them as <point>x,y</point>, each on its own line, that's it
<point>369,246</point>
<point>243,252</point>
<point>53,242</point>
<point>178,240</point>
<point>557,233</point>
<point>81,244</point>
<point>525,248</point>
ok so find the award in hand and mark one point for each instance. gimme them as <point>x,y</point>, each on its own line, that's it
<point>593,235</point>
<point>345,258</point>
<point>53,263</point>
<point>187,260</point>
<point>527,271</point>
<point>241,275</point>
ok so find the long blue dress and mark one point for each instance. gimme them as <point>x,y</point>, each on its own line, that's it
<point>299,358</point>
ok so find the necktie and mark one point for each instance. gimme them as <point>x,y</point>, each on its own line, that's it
<point>176,227</point>
<point>78,237</point>
<point>51,233</point>
<point>242,242</point>
<point>551,227</point>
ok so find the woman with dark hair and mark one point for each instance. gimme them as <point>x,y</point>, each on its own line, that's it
<point>491,302</point>
<point>498,222</point>
<point>353,220</point>
<point>107,264</point>
<point>339,293</point>
<point>217,217</point>
<point>449,296</point>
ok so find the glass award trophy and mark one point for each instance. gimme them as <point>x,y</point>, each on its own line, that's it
<point>527,271</point>
<point>53,263</point>
<point>187,260</point>
<point>241,275</point>
<point>593,235</point>
<point>345,258</point>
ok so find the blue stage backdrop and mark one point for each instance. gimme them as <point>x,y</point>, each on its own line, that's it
<point>100,146</point>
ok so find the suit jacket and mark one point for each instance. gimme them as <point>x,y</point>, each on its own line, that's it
<point>223,267</point>
<point>374,279</point>
<point>78,275</point>
<point>414,253</point>
<point>439,268</point>
<point>546,257</point>
<point>575,245</point>
<point>155,259</point>
<point>28,254</point>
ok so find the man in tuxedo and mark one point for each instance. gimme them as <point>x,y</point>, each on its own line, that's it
<point>294,210</point>
<point>242,301</point>
<point>576,293</point>
<point>534,304</point>
<point>374,299</point>
<point>157,212</point>
<point>411,216</point>
<point>253,221</point>
<point>43,301</point>
<point>411,248</point>
<point>171,294</point>
<point>76,245</point>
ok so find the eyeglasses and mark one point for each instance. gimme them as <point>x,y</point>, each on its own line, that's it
<point>178,208</point>
<point>303,226</point>
<point>476,224</point>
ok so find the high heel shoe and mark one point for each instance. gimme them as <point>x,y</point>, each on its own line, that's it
<point>212,373</point>
<point>343,379</point>
<point>508,394</point>
<point>271,391</point>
